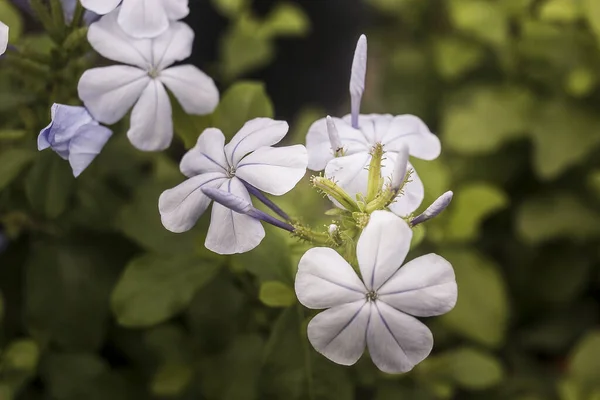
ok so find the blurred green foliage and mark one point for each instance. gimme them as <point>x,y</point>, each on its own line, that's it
<point>100,302</point>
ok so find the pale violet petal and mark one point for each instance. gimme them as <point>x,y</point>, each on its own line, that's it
<point>195,91</point>
<point>181,206</point>
<point>339,333</point>
<point>319,146</point>
<point>357,78</point>
<point>324,279</point>
<point>143,18</point>
<point>397,342</point>
<point>255,133</point>
<point>206,156</point>
<point>3,37</point>
<point>176,9</point>
<point>109,92</point>
<point>100,6</point>
<point>230,232</point>
<point>413,132</point>
<point>66,121</point>
<point>108,39</point>
<point>412,196</point>
<point>350,172</point>
<point>175,44</point>
<point>382,247</point>
<point>86,145</point>
<point>275,170</point>
<point>151,127</point>
<point>423,287</point>
<point>373,126</point>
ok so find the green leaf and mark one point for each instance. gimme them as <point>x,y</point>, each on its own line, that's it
<point>584,364</point>
<point>276,294</point>
<point>18,365</point>
<point>591,10</point>
<point>11,17</point>
<point>454,56</point>
<point>171,380</point>
<point>481,313</point>
<point>230,8</point>
<point>153,288</point>
<point>188,127</point>
<point>473,369</point>
<point>68,376</point>
<point>554,216</point>
<point>581,81</point>
<point>469,208</point>
<point>242,102</point>
<point>481,18</point>
<point>487,119</point>
<point>49,184</point>
<point>560,10</point>
<point>12,162</point>
<point>244,50</point>
<point>12,134</point>
<point>563,136</point>
<point>286,19</point>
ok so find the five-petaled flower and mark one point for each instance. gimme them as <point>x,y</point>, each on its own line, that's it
<point>248,159</point>
<point>378,310</point>
<point>74,135</point>
<point>109,92</point>
<point>3,37</point>
<point>359,133</point>
<point>141,18</point>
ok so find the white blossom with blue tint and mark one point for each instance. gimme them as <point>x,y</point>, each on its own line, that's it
<point>141,19</point>
<point>109,92</point>
<point>359,133</point>
<point>74,135</point>
<point>378,310</point>
<point>3,37</point>
<point>247,159</point>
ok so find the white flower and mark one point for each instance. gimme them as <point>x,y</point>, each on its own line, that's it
<point>109,92</point>
<point>3,37</point>
<point>248,158</point>
<point>359,133</point>
<point>141,18</point>
<point>375,311</point>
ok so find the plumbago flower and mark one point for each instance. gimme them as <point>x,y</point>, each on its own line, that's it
<point>74,135</point>
<point>246,164</point>
<point>141,18</point>
<point>376,310</point>
<point>109,92</point>
<point>347,158</point>
<point>3,37</point>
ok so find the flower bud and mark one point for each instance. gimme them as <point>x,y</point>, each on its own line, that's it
<point>400,168</point>
<point>357,77</point>
<point>434,209</point>
<point>334,137</point>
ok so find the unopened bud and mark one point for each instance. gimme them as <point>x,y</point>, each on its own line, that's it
<point>400,168</point>
<point>357,77</point>
<point>434,209</point>
<point>334,138</point>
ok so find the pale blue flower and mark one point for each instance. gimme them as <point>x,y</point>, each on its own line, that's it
<point>74,135</point>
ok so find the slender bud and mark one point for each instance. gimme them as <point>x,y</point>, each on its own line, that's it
<point>242,206</point>
<point>334,138</point>
<point>265,200</point>
<point>357,77</point>
<point>434,209</point>
<point>331,189</point>
<point>400,168</point>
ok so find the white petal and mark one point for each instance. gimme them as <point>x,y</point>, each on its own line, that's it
<point>382,247</point>
<point>175,44</point>
<point>397,342</point>
<point>230,232</point>
<point>424,287</point>
<point>415,134</point>
<point>108,39</point>
<point>319,147</point>
<point>100,6</point>
<point>275,170</point>
<point>412,197</point>
<point>372,126</point>
<point>181,206</point>
<point>151,127</point>
<point>254,134</point>
<point>350,172</point>
<point>206,156</point>
<point>109,92</point>
<point>3,37</point>
<point>340,332</point>
<point>195,91</point>
<point>143,18</point>
<point>176,9</point>
<point>86,145</point>
<point>324,279</point>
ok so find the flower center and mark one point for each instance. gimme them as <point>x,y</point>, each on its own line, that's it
<point>371,295</point>
<point>230,172</point>
<point>153,73</point>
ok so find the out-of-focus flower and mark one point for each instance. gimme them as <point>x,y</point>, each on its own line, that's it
<point>360,133</point>
<point>141,18</point>
<point>69,10</point>
<point>248,159</point>
<point>375,311</point>
<point>3,37</point>
<point>109,92</point>
<point>74,135</point>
